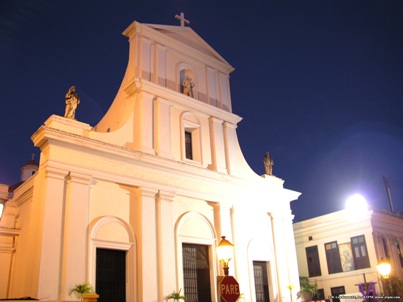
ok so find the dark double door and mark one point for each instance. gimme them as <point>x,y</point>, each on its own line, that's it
<point>111,275</point>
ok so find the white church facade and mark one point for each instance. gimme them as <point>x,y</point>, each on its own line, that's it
<point>137,204</point>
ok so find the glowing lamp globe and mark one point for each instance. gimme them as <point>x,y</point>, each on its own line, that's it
<point>224,253</point>
<point>384,268</point>
<point>224,250</point>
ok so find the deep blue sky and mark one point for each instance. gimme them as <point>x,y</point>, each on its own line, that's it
<point>318,83</point>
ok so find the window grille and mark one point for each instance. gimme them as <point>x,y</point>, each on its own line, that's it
<point>261,281</point>
<point>196,273</point>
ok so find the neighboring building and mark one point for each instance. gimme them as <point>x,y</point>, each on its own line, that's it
<point>9,229</point>
<point>340,250</point>
<point>137,204</point>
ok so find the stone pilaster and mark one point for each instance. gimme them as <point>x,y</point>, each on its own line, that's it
<point>217,145</point>
<point>165,244</point>
<point>280,246</point>
<point>143,123</point>
<point>48,209</point>
<point>223,227</point>
<point>75,223</point>
<point>144,220</point>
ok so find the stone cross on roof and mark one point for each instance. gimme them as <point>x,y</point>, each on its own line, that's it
<point>182,19</point>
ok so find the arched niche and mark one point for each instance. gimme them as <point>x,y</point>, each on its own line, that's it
<point>185,70</point>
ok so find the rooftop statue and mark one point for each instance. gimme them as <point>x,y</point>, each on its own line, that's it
<point>268,164</point>
<point>72,101</point>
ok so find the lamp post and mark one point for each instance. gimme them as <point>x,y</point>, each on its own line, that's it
<point>224,253</point>
<point>384,269</point>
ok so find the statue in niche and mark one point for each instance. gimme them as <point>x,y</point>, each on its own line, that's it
<point>268,164</point>
<point>72,101</point>
<point>188,86</point>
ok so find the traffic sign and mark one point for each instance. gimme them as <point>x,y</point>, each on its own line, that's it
<point>229,289</point>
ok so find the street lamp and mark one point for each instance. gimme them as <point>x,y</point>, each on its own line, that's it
<point>384,268</point>
<point>224,253</point>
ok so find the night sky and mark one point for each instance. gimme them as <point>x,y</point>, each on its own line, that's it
<point>319,83</point>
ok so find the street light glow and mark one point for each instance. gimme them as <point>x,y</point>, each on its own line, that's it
<point>356,204</point>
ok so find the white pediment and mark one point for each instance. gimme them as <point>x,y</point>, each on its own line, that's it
<point>189,37</point>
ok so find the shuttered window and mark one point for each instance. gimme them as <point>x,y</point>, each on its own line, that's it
<point>360,254</point>
<point>312,258</point>
<point>333,258</point>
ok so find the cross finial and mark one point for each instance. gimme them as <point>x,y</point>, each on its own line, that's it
<point>182,19</point>
<point>33,156</point>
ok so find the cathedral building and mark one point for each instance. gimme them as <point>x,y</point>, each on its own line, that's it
<point>137,204</point>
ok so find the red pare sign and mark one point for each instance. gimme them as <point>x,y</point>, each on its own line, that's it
<point>229,289</point>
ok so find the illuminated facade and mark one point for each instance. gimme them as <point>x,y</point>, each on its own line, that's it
<point>150,190</point>
<point>341,250</point>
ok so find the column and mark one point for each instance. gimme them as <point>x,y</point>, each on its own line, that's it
<point>143,219</point>
<point>232,154</point>
<point>281,258</point>
<point>223,227</point>
<point>143,123</point>
<point>154,62</point>
<point>165,244</point>
<point>75,235</point>
<point>293,275</point>
<point>139,51</point>
<point>394,257</point>
<point>47,212</point>
<point>217,145</point>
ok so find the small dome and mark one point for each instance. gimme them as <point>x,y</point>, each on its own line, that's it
<point>32,162</point>
<point>29,169</point>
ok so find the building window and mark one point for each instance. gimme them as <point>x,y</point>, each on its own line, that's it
<point>190,138</point>
<point>188,145</point>
<point>320,295</point>
<point>261,281</point>
<point>333,257</point>
<point>360,254</point>
<point>336,292</point>
<point>312,258</point>
<point>196,272</point>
